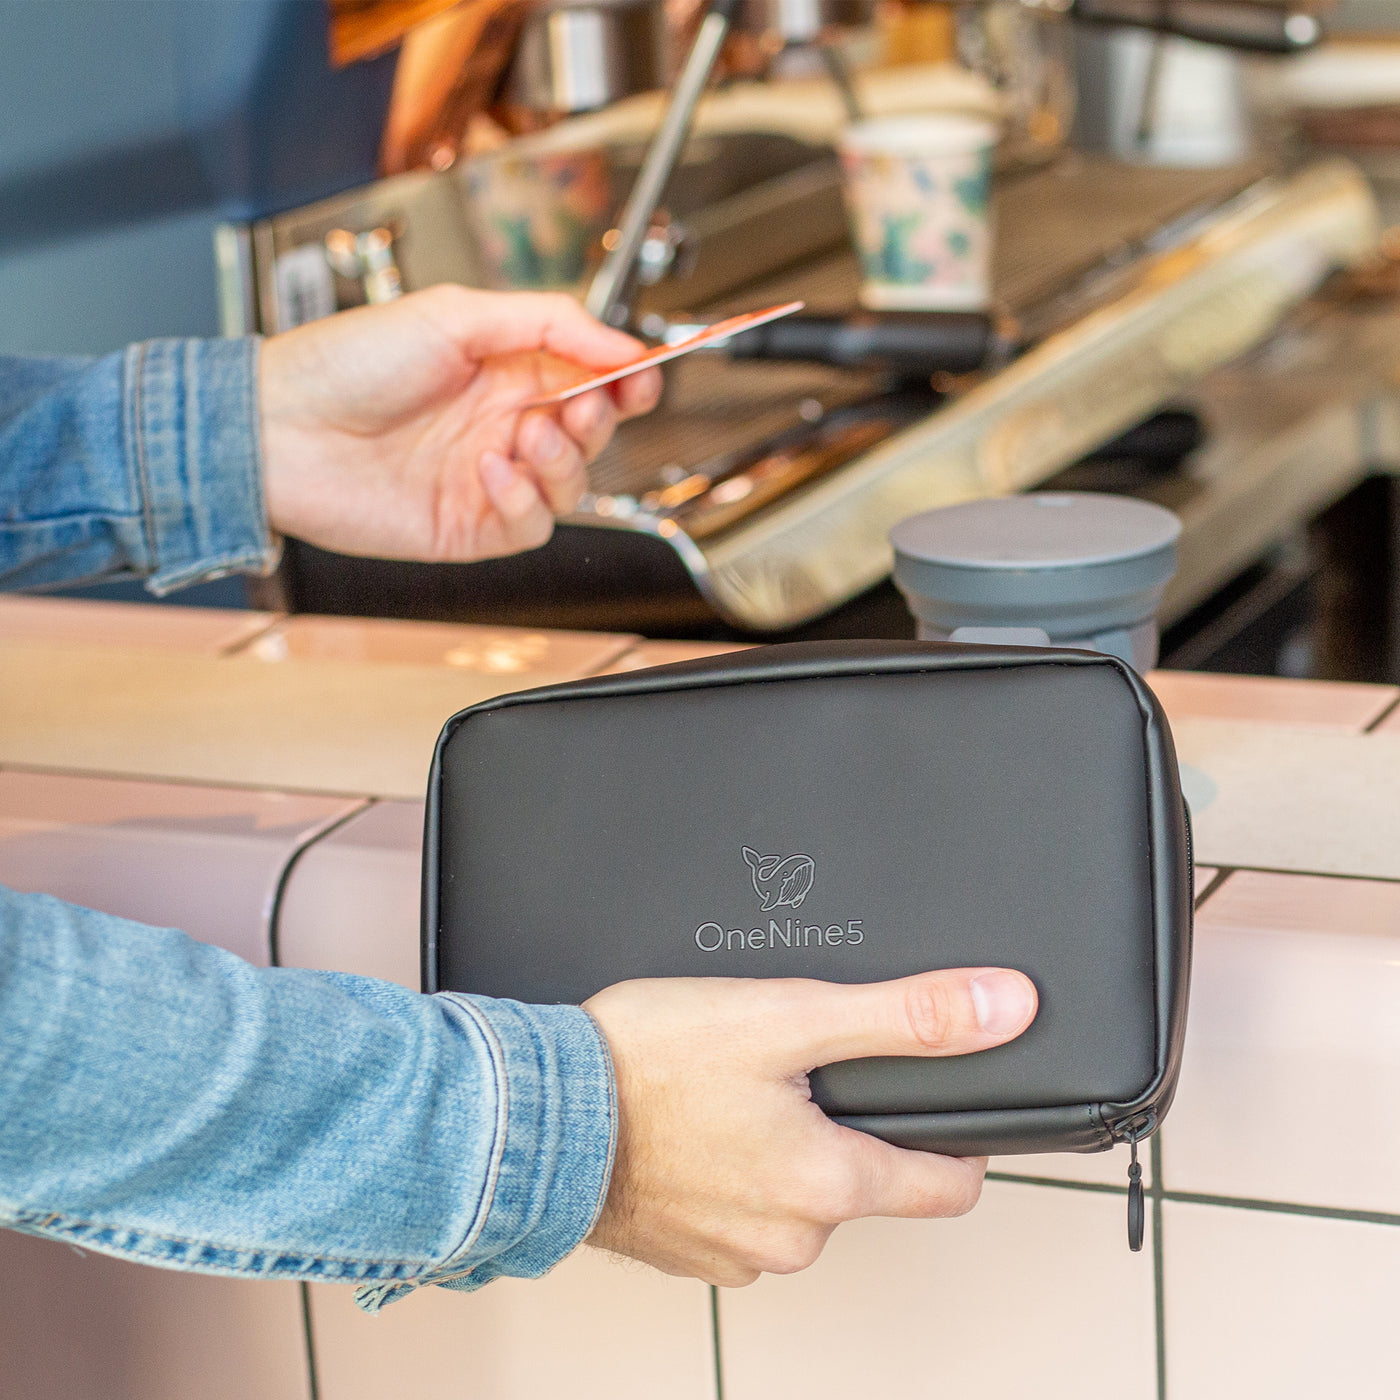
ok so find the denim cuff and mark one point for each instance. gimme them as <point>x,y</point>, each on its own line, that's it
<point>192,433</point>
<point>554,1149</point>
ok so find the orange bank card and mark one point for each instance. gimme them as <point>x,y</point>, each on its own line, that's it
<point>721,330</point>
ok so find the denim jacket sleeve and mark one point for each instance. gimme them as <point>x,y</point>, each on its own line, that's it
<point>164,1101</point>
<point>141,464</point>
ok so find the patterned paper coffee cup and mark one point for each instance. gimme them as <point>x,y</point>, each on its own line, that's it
<point>538,214</point>
<point>917,191</point>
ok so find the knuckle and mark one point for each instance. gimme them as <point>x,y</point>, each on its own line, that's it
<point>733,1261</point>
<point>449,296</point>
<point>837,1194</point>
<point>932,1017</point>
<point>787,1248</point>
<point>800,1250</point>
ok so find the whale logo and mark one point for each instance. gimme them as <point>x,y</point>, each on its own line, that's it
<point>780,880</point>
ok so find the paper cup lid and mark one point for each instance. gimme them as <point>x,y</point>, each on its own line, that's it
<point>920,133</point>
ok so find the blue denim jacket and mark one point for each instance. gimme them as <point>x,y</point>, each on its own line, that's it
<point>164,1101</point>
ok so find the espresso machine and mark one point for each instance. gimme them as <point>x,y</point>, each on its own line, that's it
<point>757,499</point>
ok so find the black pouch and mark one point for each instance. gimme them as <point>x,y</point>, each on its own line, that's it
<point>852,812</point>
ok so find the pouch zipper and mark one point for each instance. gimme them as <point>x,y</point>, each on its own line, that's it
<point>1132,1131</point>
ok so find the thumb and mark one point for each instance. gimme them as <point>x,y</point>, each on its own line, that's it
<point>953,1012</point>
<point>484,324</point>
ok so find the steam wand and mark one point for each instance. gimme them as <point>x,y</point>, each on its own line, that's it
<point>609,294</point>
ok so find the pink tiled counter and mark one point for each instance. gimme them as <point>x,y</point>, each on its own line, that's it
<point>1337,705</point>
<point>204,859</point>
<point>646,653</point>
<point>1033,1294</point>
<point>1273,1256</point>
<point>82,1326</point>
<point>208,860</point>
<point>496,651</point>
<point>140,625</point>
<point>596,1326</point>
<point>351,902</point>
<point>1271,1305</point>
<point>1290,1088</point>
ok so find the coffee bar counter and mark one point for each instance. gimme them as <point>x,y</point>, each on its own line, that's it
<point>257,780</point>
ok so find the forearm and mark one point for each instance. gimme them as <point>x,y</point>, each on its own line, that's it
<point>165,1102</point>
<point>143,464</point>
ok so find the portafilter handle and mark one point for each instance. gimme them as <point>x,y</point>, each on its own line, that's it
<point>609,293</point>
<point>1235,24</point>
<point>915,345</point>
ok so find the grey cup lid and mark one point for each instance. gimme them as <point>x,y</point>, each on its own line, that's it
<point>1046,530</point>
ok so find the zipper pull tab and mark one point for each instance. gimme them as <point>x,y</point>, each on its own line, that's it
<point>1137,1207</point>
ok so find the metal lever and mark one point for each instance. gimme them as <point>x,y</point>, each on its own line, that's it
<point>608,293</point>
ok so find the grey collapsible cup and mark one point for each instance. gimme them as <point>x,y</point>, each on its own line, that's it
<point>1065,569</point>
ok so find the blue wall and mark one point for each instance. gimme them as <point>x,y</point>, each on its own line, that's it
<point>129,128</point>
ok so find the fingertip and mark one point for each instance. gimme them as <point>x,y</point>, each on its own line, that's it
<point>589,416</point>
<point>639,393</point>
<point>1005,1001</point>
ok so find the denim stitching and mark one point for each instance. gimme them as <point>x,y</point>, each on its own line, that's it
<point>613,1117</point>
<point>272,554</point>
<point>138,413</point>
<point>498,1145</point>
<point>129,448</point>
<point>373,1297</point>
<point>201,1254</point>
<point>188,441</point>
